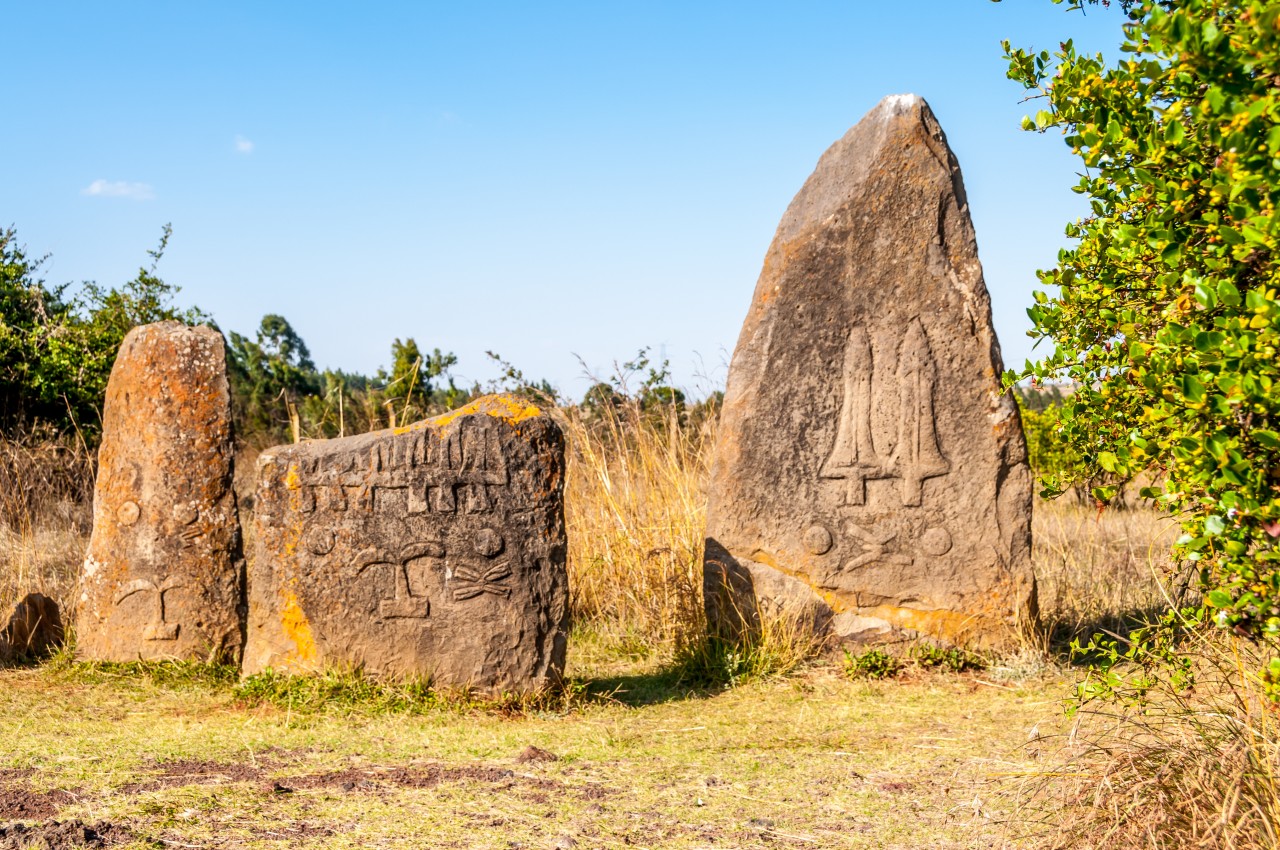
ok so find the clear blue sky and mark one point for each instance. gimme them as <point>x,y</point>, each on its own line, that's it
<point>548,181</point>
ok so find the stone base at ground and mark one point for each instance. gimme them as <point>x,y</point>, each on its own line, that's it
<point>436,550</point>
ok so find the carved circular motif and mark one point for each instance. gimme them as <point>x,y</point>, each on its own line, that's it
<point>818,540</point>
<point>128,513</point>
<point>935,541</point>
<point>185,514</point>
<point>488,542</point>
<point>320,541</point>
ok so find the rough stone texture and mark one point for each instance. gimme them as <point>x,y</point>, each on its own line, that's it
<point>434,550</point>
<point>870,475</point>
<point>34,628</point>
<point>163,577</point>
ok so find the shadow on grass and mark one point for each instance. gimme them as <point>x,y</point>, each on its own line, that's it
<point>670,683</point>
<point>1064,641</point>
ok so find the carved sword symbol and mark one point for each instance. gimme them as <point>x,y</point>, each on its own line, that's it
<point>854,456</point>
<point>157,629</point>
<point>916,455</point>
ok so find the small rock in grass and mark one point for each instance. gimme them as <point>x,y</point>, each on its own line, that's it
<point>34,628</point>
<point>535,754</point>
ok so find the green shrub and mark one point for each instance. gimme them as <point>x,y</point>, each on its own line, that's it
<point>871,664</point>
<point>1164,310</point>
<point>955,659</point>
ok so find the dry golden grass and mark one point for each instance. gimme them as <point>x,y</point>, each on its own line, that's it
<point>1186,767</point>
<point>635,508</point>
<point>1097,568</point>
<point>46,493</point>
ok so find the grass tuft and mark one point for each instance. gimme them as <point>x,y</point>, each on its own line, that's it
<point>1183,767</point>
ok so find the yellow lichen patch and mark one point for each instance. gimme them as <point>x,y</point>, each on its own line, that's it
<point>947,625</point>
<point>508,408</point>
<point>978,629</point>
<point>296,626</point>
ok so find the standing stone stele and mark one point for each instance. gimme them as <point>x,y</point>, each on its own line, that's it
<point>163,577</point>
<point>870,475</point>
<point>435,550</point>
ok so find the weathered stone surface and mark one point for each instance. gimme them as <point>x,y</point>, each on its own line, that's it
<point>433,550</point>
<point>34,628</point>
<point>163,577</point>
<point>870,475</point>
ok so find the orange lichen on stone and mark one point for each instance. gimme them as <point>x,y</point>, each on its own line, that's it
<point>162,576</point>
<point>298,629</point>
<point>965,629</point>
<point>508,408</point>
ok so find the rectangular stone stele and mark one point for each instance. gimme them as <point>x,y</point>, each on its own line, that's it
<point>436,550</point>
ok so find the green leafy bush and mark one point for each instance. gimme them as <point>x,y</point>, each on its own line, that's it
<point>57,347</point>
<point>1164,310</point>
<point>871,664</point>
<point>955,659</point>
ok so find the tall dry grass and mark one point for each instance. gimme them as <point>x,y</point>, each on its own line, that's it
<point>635,507</point>
<point>1098,569</point>
<point>46,498</point>
<point>1185,767</point>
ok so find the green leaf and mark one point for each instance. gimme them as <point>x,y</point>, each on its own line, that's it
<point>1192,389</point>
<point>1268,439</point>
<point>1228,295</point>
<point>1214,525</point>
<point>1218,599</point>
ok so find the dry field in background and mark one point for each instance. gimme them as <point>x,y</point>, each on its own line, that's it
<point>806,760</point>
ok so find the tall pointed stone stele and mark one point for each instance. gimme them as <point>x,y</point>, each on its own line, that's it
<point>870,476</point>
<point>163,577</point>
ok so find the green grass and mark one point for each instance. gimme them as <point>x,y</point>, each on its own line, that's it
<point>187,757</point>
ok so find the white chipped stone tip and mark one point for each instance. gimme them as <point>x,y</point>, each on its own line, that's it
<point>897,104</point>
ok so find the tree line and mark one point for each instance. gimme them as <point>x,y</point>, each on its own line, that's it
<point>58,344</point>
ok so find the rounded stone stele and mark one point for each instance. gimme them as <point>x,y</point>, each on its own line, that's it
<point>818,540</point>
<point>162,574</point>
<point>128,513</point>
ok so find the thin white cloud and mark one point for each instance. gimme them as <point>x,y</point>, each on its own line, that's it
<point>243,145</point>
<point>119,189</point>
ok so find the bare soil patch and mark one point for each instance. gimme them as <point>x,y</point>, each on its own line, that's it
<point>175,774</point>
<point>426,776</point>
<point>19,801</point>
<point>55,835</point>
